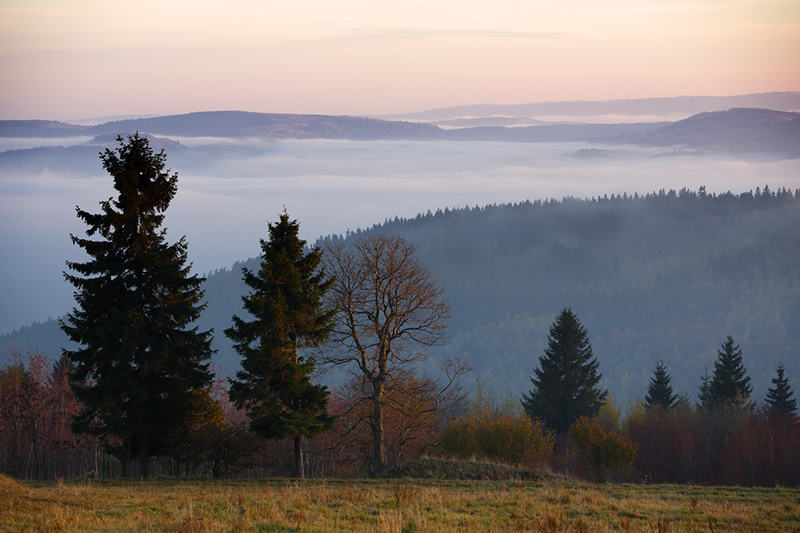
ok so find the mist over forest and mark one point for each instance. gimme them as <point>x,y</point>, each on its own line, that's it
<point>662,276</point>
<point>644,240</point>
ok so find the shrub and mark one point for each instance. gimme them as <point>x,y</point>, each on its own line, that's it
<point>764,451</point>
<point>501,433</point>
<point>667,448</point>
<point>609,414</point>
<point>606,452</point>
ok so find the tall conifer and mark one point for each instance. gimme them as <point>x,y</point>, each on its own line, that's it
<point>704,392</point>
<point>659,391</point>
<point>286,304</point>
<point>780,397</point>
<point>138,362</point>
<point>729,381</point>
<point>565,385</point>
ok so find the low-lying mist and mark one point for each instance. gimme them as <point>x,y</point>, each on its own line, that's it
<point>225,198</point>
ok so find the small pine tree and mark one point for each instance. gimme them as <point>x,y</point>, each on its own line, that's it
<point>565,385</point>
<point>659,391</point>
<point>780,397</point>
<point>704,394</point>
<point>729,382</point>
<point>286,301</point>
<point>138,363</point>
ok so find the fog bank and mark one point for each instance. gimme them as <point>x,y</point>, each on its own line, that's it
<point>331,187</point>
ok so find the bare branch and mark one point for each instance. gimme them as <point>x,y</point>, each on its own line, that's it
<point>390,310</point>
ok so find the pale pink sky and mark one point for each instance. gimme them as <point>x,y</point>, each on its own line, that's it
<point>99,58</point>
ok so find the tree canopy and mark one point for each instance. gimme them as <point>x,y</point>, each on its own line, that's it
<point>391,308</point>
<point>286,302</point>
<point>138,362</point>
<point>729,380</point>
<point>565,384</point>
<point>659,391</point>
<point>780,396</point>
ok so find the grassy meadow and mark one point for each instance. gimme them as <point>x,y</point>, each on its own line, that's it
<point>547,505</point>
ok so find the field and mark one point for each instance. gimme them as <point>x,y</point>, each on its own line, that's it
<point>551,505</point>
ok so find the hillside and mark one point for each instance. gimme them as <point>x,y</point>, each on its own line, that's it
<point>232,124</point>
<point>735,131</point>
<point>238,125</point>
<point>667,275</point>
<point>686,105</point>
<point>273,125</point>
<point>739,131</point>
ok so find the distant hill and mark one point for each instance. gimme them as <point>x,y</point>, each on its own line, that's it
<point>238,124</point>
<point>687,105</point>
<point>735,131</point>
<point>664,276</point>
<point>738,131</point>
<point>40,128</point>
<point>602,133</point>
<point>233,124</point>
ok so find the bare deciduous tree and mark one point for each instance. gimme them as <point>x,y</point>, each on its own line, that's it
<point>391,309</point>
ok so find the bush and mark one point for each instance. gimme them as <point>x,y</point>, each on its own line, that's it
<point>764,451</point>
<point>609,414</point>
<point>500,433</point>
<point>667,444</point>
<point>606,452</point>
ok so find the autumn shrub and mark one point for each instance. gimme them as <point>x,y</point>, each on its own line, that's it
<point>667,445</point>
<point>36,408</point>
<point>764,451</point>
<point>609,414</point>
<point>412,407</point>
<point>499,432</point>
<point>605,452</point>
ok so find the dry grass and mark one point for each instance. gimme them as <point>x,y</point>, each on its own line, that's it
<point>441,469</point>
<point>10,488</point>
<point>401,506</point>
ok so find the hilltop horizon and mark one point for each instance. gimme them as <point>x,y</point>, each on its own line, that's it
<point>659,107</point>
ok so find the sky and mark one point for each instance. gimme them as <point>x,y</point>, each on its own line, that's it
<point>95,59</point>
<point>88,59</point>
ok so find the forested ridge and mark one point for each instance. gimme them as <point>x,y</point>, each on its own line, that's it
<point>667,275</point>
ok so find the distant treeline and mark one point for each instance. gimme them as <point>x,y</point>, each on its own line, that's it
<point>665,275</point>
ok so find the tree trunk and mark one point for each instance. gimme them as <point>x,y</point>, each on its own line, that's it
<point>379,449</point>
<point>144,458</point>
<point>298,457</point>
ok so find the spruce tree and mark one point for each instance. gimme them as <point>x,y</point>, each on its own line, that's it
<point>780,397</point>
<point>286,303</point>
<point>139,362</point>
<point>704,394</point>
<point>565,385</point>
<point>729,381</point>
<point>659,391</point>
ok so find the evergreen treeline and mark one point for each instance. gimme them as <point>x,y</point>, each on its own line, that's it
<point>663,276</point>
<point>660,276</point>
